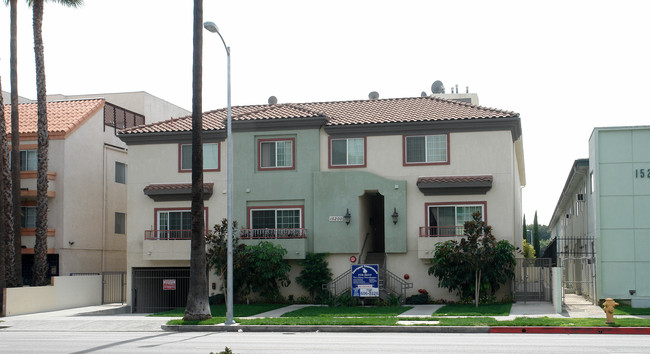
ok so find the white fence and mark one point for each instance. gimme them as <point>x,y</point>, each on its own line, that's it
<point>65,292</point>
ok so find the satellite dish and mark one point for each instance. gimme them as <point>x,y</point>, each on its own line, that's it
<point>423,94</point>
<point>437,87</point>
<point>273,100</point>
<point>373,95</point>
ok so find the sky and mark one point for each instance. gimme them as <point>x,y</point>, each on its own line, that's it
<point>565,66</point>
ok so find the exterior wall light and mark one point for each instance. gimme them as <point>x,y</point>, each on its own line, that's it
<point>347,216</point>
<point>395,216</point>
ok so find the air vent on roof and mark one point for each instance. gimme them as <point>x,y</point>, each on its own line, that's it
<point>423,94</point>
<point>373,95</point>
<point>273,100</point>
<point>437,87</point>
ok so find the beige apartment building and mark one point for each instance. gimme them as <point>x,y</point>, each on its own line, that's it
<point>377,181</point>
<point>87,173</point>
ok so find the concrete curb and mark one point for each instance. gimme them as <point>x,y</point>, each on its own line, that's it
<point>572,330</point>
<point>408,329</point>
<point>344,329</point>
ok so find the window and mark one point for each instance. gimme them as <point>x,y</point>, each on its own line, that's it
<point>347,152</point>
<point>591,183</point>
<point>449,220</point>
<point>210,157</point>
<point>120,223</point>
<point>28,160</point>
<point>272,222</point>
<point>174,220</point>
<point>429,149</point>
<point>275,218</point>
<point>176,223</point>
<point>28,217</point>
<point>276,154</point>
<point>120,172</point>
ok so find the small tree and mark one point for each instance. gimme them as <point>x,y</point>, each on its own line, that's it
<point>478,263</point>
<point>525,229</point>
<point>536,236</point>
<point>529,250</point>
<point>217,255</point>
<point>267,269</point>
<point>314,274</point>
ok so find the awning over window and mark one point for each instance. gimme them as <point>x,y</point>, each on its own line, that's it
<point>449,185</point>
<point>175,192</point>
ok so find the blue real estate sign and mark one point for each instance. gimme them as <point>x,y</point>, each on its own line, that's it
<point>365,280</point>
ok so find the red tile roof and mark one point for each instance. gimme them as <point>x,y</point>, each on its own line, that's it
<point>455,179</point>
<point>394,110</point>
<point>63,117</point>
<point>176,187</point>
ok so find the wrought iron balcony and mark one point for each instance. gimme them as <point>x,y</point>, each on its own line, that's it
<point>441,231</point>
<point>167,234</point>
<point>272,234</point>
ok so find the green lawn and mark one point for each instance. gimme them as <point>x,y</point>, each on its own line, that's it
<point>239,310</point>
<point>326,311</point>
<point>628,310</point>
<point>471,310</point>
<point>386,316</point>
<point>443,321</point>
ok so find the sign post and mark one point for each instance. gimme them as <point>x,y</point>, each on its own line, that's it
<point>365,280</point>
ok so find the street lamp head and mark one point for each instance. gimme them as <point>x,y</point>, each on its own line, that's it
<point>210,26</point>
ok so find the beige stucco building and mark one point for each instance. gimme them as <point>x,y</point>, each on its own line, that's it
<point>87,171</point>
<point>374,181</point>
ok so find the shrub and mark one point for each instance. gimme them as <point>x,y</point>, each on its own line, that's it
<point>314,274</point>
<point>417,299</point>
<point>477,265</point>
<point>217,299</point>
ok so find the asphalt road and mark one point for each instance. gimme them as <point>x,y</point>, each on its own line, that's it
<point>203,342</point>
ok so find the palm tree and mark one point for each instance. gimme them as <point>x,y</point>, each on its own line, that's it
<point>6,212</point>
<point>13,264</point>
<point>197,307</point>
<point>40,246</point>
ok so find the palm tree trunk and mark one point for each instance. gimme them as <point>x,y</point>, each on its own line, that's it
<point>6,226</point>
<point>14,266</point>
<point>40,246</point>
<point>197,307</point>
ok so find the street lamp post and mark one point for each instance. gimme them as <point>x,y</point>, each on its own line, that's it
<point>210,26</point>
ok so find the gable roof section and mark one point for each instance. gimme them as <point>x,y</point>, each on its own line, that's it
<point>375,117</point>
<point>63,117</point>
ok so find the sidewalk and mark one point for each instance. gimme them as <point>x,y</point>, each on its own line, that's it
<point>107,318</point>
<point>102,318</point>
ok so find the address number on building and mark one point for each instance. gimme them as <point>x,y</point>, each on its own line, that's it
<point>642,173</point>
<point>336,219</point>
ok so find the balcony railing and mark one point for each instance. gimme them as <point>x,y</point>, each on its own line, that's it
<point>272,234</point>
<point>441,231</point>
<point>167,234</point>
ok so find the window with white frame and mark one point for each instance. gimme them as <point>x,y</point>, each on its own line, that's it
<point>426,149</point>
<point>281,222</point>
<point>210,156</point>
<point>28,217</point>
<point>347,152</point>
<point>28,160</point>
<point>276,153</point>
<point>449,220</point>
<point>120,223</point>
<point>120,172</point>
<point>175,223</point>
<point>275,218</point>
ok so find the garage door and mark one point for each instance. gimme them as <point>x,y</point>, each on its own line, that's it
<point>159,289</point>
